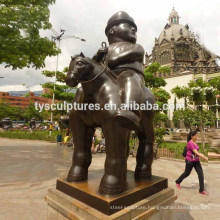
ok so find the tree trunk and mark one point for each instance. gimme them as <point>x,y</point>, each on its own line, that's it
<point>201,127</point>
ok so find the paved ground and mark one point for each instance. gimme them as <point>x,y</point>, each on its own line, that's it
<point>29,168</point>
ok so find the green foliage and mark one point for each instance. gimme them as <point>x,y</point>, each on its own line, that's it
<point>160,117</point>
<point>198,83</point>
<point>159,133</point>
<point>14,113</point>
<point>181,92</point>
<point>34,135</point>
<point>155,83</point>
<point>30,112</point>
<point>60,76</point>
<point>62,92</point>
<point>151,81</point>
<point>187,116</point>
<point>20,42</point>
<point>19,114</point>
<point>199,91</point>
<point>215,83</point>
<point>194,117</point>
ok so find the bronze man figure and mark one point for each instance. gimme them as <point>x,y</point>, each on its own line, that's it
<point>125,59</point>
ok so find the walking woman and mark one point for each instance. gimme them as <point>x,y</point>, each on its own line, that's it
<point>192,159</point>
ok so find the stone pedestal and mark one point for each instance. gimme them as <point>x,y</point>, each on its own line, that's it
<point>155,207</point>
<point>143,199</point>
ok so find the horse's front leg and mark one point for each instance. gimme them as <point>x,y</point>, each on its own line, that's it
<point>82,139</point>
<point>114,179</point>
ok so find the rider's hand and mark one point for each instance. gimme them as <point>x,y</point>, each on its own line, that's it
<point>102,51</point>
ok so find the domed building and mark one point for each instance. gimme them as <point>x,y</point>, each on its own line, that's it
<point>178,48</point>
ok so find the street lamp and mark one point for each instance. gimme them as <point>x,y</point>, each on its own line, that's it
<point>59,37</point>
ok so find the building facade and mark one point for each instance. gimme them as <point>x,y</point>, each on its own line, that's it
<point>180,49</point>
<point>22,101</point>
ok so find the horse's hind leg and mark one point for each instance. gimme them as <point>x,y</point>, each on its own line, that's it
<point>144,156</point>
<point>82,139</point>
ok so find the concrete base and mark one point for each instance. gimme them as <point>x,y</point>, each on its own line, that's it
<point>155,207</point>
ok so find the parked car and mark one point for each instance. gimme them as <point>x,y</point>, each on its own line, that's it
<point>6,123</point>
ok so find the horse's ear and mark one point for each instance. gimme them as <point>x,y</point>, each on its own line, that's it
<point>82,55</point>
<point>72,57</point>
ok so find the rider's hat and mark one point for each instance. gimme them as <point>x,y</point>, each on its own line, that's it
<point>118,18</point>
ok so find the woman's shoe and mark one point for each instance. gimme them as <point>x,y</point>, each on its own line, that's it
<point>178,186</point>
<point>204,193</point>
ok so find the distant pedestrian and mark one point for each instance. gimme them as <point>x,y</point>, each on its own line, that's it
<point>192,159</point>
<point>67,136</point>
<point>94,139</point>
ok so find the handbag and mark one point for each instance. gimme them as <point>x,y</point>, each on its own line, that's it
<point>184,151</point>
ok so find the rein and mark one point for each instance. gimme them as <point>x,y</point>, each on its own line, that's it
<point>106,68</point>
<point>88,81</point>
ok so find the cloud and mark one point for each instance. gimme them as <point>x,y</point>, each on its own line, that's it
<point>87,19</point>
<point>13,88</point>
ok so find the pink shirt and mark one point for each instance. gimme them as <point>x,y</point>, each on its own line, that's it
<point>190,155</point>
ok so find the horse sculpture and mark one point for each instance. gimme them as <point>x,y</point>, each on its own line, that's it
<point>100,86</point>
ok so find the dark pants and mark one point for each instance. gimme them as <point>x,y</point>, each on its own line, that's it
<point>188,169</point>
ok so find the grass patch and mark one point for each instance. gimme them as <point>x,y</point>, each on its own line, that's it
<point>35,135</point>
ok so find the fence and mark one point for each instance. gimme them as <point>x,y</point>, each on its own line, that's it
<point>175,154</point>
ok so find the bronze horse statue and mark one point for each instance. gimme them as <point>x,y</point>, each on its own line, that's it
<point>100,86</point>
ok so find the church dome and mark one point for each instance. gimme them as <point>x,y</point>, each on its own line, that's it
<point>174,31</point>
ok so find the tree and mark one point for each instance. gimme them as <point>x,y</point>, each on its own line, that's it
<point>199,93</point>
<point>31,112</point>
<point>14,113</point>
<point>20,42</point>
<point>61,93</point>
<point>155,83</point>
<point>20,114</point>
<point>181,92</point>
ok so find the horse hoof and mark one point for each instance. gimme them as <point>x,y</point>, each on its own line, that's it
<point>142,175</point>
<point>112,185</point>
<point>77,174</point>
<point>110,190</point>
<point>76,178</point>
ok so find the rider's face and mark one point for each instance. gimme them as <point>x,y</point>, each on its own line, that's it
<point>125,32</point>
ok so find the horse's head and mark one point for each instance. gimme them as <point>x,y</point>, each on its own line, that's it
<point>79,68</point>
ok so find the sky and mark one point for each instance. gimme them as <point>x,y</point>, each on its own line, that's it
<point>88,18</point>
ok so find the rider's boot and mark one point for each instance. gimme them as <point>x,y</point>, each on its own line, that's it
<point>128,119</point>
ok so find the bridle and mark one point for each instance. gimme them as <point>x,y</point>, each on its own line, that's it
<point>105,68</point>
<point>88,81</point>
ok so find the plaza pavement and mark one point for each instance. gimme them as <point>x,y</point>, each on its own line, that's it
<point>29,168</point>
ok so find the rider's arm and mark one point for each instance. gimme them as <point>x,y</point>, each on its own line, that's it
<point>100,54</point>
<point>131,53</point>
